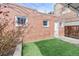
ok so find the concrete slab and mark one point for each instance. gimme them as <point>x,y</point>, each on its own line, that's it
<point>71,40</point>
<point>18,50</point>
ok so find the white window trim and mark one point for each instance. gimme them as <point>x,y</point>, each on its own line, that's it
<point>47,24</point>
<point>16,24</point>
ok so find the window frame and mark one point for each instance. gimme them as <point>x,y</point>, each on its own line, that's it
<point>46,26</point>
<point>26,21</point>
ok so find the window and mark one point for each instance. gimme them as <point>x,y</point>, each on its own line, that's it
<point>21,20</point>
<point>46,23</point>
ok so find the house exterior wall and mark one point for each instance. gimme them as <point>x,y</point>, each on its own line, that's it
<point>63,15</point>
<point>58,8</point>
<point>35,29</point>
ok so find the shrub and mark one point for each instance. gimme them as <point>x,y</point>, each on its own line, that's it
<point>9,39</point>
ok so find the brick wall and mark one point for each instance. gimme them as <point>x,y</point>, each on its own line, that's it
<point>35,29</point>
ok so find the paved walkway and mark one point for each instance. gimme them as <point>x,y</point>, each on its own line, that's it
<point>71,40</point>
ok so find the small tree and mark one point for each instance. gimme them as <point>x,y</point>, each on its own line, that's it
<point>9,39</point>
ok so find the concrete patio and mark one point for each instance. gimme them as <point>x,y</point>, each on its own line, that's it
<point>70,40</point>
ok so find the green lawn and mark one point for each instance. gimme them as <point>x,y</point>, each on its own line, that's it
<point>53,47</point>
<point>31,49</point>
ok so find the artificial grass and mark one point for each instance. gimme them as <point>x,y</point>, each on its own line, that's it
<point>31,49</point>
<point>51,47</point>
<point>56,47</point>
